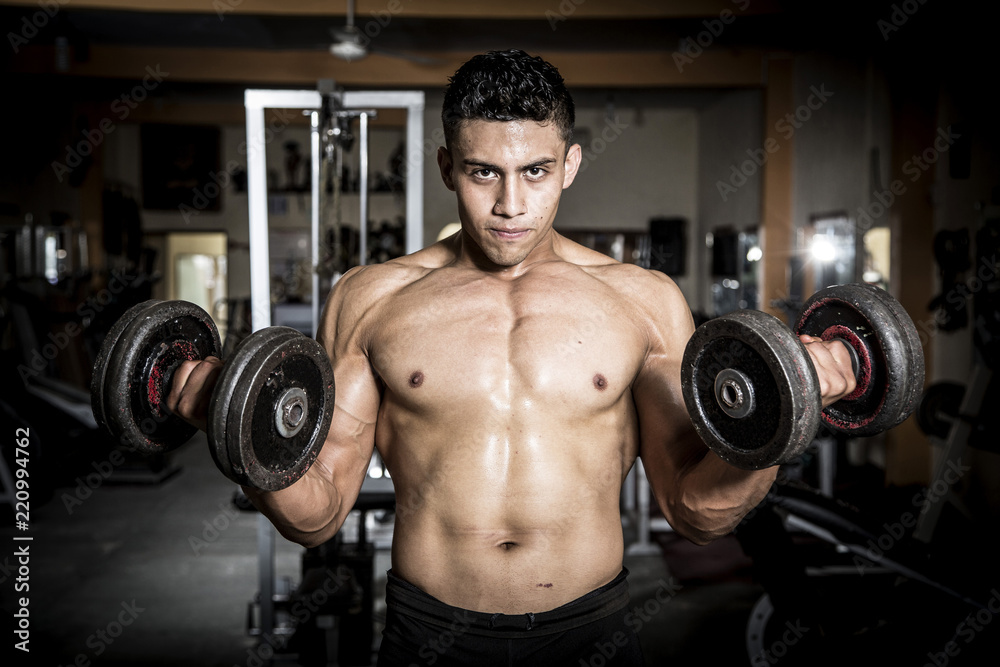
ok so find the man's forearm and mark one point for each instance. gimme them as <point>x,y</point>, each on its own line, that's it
<point>712,497</point>
<point>307,512</point>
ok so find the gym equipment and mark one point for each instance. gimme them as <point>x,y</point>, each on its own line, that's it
<point>855,576</point>
<point>939,408</point>
<point>885,342</point>
<point>753,393</point>
<point>269,411</point>
<point>318,102</point>
<point>135,366</point>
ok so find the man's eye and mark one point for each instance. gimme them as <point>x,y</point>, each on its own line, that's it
<point>536,172</point>
<point>483,173</point>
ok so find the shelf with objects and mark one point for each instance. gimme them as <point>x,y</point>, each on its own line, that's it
<point>289,205</point>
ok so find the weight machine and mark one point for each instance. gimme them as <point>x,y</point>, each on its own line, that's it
<point>871,578</point>
<point>331,113</point>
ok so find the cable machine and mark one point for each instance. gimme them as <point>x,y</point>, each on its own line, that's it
<point>331,114</point>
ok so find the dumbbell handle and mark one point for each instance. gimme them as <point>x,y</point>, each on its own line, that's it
<point>735,394</point>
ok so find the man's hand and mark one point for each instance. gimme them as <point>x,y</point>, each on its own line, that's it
<point>833,366</point>
<point>191,389</point>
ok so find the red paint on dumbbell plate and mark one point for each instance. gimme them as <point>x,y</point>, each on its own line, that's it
<point>179,350</point>
<point>845,425</point>
<point>864,377</point>
<point>820,303</point>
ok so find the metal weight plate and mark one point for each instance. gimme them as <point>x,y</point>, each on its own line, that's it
<point>891,371</point>
<point>226,389</point>
<point>140,367</point>
<point>104,355</point>
<point>915,353</point>
<point>751,390</point>
<point>279,410</point>
<point>291,378</point>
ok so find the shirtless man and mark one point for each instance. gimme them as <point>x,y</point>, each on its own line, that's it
<point>509,378</point>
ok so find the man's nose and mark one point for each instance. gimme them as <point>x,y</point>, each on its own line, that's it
<point>510,199</point>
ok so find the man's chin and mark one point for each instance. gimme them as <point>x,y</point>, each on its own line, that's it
<point>505,259</point>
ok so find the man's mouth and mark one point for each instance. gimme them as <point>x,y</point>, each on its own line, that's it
<point>509,234</point>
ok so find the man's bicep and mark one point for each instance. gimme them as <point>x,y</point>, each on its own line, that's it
<point>351,438</point>
<point>665,431</point>
<point>668,442</point>
<point>346,452</point>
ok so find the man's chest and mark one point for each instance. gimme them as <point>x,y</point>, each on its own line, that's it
<point>542,342</point>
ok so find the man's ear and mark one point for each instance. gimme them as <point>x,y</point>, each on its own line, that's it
<point>573,158</point>
<point>445,164</point>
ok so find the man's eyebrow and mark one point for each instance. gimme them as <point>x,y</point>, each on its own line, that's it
<point>486,165</point>
<point>480,164</point>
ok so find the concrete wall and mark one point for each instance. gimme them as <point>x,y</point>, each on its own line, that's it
<point>640,162</point>
<point>731,132</point>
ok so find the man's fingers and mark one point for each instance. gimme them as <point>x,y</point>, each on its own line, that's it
<point>833,368</point>
<point>191,389</point>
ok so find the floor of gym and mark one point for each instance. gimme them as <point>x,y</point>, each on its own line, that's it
<point>162,574</point>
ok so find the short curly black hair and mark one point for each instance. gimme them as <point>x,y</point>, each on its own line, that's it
<point>504,86</point>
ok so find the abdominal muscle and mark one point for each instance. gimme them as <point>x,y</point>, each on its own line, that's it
<point>510,526</point>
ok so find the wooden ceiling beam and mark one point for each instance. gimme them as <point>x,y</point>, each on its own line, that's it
<point>509,9</point>
<point>629,69</point>
<point>215,113</point>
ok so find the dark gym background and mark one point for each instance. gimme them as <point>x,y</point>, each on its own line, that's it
<point>754,150</point>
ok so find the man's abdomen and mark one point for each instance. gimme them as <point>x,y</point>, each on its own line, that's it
<point>527,544</point>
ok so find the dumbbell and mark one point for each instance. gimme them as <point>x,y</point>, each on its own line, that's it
<point>268,414</point>
<point>752,391</point>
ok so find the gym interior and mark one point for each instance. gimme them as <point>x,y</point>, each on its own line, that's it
<point>242,155</point>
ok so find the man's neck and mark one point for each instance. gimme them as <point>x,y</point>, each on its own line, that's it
<point>469,254</point>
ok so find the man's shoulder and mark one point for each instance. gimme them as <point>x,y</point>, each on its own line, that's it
<point>375,280</point>
<point>364,291</point>
<point>360,297</point>
<point>645,287</point>
<point>378,280</point>
<point>649,286</point>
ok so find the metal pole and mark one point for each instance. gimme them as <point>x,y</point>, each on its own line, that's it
<point>260,317</point>
<point>314,184</point>
<point>255,101</point>
<point>628,495</point>
<point>642,546</point>
<point>260,272</point>
<point>415,175</point>
<point>265,560</point>
<point>363,186</point>
<point>826,464</point>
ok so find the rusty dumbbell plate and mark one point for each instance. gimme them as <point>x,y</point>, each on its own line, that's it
<point>891,372</point>
<point>750,389</point>
<point>271,409</point>
<point>135,366</point>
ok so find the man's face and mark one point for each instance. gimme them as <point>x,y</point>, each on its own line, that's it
<point>508,177</point>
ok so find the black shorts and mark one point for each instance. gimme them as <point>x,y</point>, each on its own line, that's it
<point>590,631</point>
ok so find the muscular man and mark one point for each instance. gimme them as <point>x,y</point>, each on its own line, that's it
<point>509,378</point>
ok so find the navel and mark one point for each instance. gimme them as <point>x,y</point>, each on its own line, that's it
<point>600,382</point>
<point>416,379</point>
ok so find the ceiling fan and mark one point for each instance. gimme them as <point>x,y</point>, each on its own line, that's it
<point>350,43</point>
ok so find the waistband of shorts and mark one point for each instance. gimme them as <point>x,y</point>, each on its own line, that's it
<point>403,597</point>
